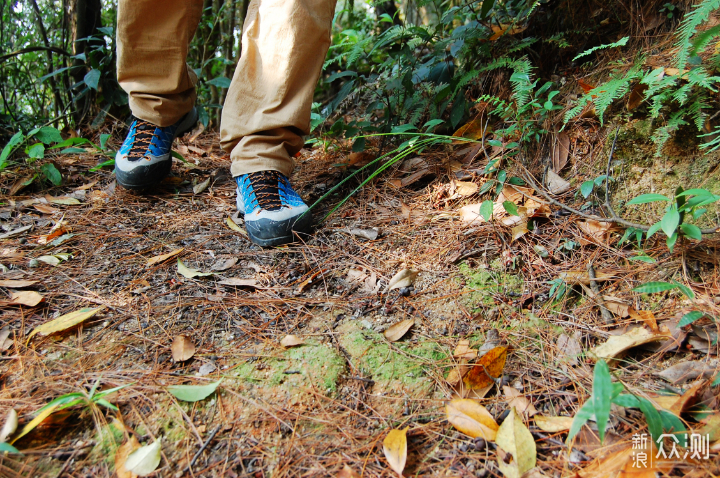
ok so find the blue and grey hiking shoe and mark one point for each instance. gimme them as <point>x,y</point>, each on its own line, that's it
<point>144,158</point>
<point>272,208</point>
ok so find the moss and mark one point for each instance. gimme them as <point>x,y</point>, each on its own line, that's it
<point>171,424</point>
<point>107,441</point>
<point>402,371</point>
<point>485,283</point>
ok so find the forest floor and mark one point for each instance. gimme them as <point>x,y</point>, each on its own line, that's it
<point>323,407</point>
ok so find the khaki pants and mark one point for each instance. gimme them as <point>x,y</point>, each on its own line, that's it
<point>267,109</point>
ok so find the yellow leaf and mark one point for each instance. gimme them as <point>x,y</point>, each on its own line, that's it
<point>164,257</point>
<point>618,344</point>
<point>185,271</point>
<point>518,401</point>
<point>395,449</point>
<point>515,439</point>
<point>471,418</point>
<point>35,422</point>
<point>121,456</point>
<point>231,224</point>
<point>29,298</point>
<point>65,322</point>
<point>291,341</point>
<point>396,331</point>
<point>553,424</point>
<point>491,363</point>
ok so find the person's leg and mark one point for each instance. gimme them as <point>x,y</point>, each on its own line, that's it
<point>153,39</point>
<point>267,110</point>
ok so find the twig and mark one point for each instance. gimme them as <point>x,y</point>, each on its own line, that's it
<point>202,448</point>
<point>606,314</point>
<point>32,49</point>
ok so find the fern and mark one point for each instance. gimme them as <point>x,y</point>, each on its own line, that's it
<point>688,28</point>
<point>662,134</point>
<point>604,95</point>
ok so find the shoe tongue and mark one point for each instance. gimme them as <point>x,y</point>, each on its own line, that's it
<point>265,185</point>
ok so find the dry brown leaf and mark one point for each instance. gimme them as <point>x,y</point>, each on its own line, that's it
<point>617,306</point>
<point>464,189</point>
<point>689,398</point>
<point>347,472</point>
<point>463,351</point>
<point>163,257</point>
<point>560,153</point>
<point>360,159</point>
<point>569,349</point>
<point>582,277</point>
<point>396,331</point>
<point>645,316</point>
<point>491,363</point>
<point>507,29</point>
<point>395,449</point>
<point>471,418</point>
<point>182,348</point>
<point>291,341</point>
<point>238,282</point>
<point>685,371</point>
<point>404,278</point>
<point>471,213</point>
<point>224,264</point>
<point>517,400</point>
<point>28,298</point>
<point>45,209</point>
<point>616,345</point>
<point>637,96</point>
<point>474,129</point>
<point>87,186</point>
<point>553,424</point>
<point>555,184</point>
<point>519,231</point>
<point>121,456</point>
<point>598,232</point>
<point>17,284</point>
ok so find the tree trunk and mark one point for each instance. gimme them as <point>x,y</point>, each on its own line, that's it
<point>87,19</point>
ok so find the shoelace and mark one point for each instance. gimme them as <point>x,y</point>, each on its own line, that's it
<point>144,134</point>
<point>265,186</point>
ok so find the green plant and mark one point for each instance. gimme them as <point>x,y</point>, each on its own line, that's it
<point>687,319</point>
<point>605,393</point>
<point>35,142</point>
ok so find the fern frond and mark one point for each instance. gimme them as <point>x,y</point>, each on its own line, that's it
<point>662,134</point>
<point>688,28</point>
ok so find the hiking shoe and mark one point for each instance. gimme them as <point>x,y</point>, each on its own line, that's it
<point>272,208</point>
<point>144,158</point>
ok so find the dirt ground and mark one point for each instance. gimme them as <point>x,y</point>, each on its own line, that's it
<point>312,409</point>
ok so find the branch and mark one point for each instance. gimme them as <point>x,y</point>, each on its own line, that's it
<point>31,49</point>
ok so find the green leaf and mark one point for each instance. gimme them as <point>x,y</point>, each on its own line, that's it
<point>647,198</point>
<point>36,151</point>
<point>7,448</point>
<point>716,382</point>
<point>643,258</point>
<point>690,317</point>
<point>653,229</point>
<point>193,393</point>
<point>586,188</point>
<point>685,290</point>
<point>92,78</point>
<point>486,209</point>
<point>72,142</point>
<point>72,150</point>
<point>626,400</point>
<point>109,162</point>
<point>103,140</point>
<point>16,139</point>
<point>654,287</point>
<point>432,123</point>
<point>106,404</point>
<point>670,221</point>
<point>583,415</point>
<point>691,231</point>
<point>695,192</point>
<point>402,128</point>
<point>511,208</point>
<point>602,396</point>
<point>671,423</point>
<point>502,176</point>
<point>358,145</point>
<point>621,42</point>
<point>652,417</point>
<point>51,173</point>
<point>486,7</point>
<point>219,82</point>
<point>671,241</point>
<point>46,134</point>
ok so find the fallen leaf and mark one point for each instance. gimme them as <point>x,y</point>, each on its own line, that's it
<point>616,345</point>
<point>238,282</point>
<point>471,213</point>
<point>29,298</point>
<point>553,424</point>
<point>11,424</point>
<point>599,232</point>
<point>569,349</point>
<point>471,418</point>
<point>19,184</point>
<point>519,231</point>
<point>5,340</point>
<point>509,29</point>
<point>233,225</point>
<point>144,460</point>
<point>207,368</point>
<point>711,427</point>
<point>45,209</point>
<point>689,398</point>
<point>185,271</point>
<point>347,472</point>
<point>200,187</point>
<point>690,370</point>
<point>121,456</point>
<point>396,331</point>
<point>464,189</point>
<point>35,422</point>
<point>404,278</point>
<point>463,351</point>
<point>617,306</point>
<point>637,96</point>
<point>645,316</point>
<point>291,341</point>
<point>582,277</point>
<point>555,184</point>
<point>369,234</point>
<point>561,151</point>
<point>163,257</point>
<point>519,402</point>
<point>224,264</point>
<point>87,186</point>
<point>395,449</point>
<point>17,284</point>
<point>15,232</point>
<point>55,233</point>
<point>182,348</point>
<point>474,129</point>
<point>193,393</point>
<point>64,322</point>
<point>517,442</point>
<point>66,201</point>
<point>491,363</point>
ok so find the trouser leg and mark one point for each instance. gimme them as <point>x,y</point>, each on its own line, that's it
<point>267,108</point>
<point>153,39</point>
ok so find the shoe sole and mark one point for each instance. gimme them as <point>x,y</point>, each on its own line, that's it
<point>146,177</point>
<point>302,225</point>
